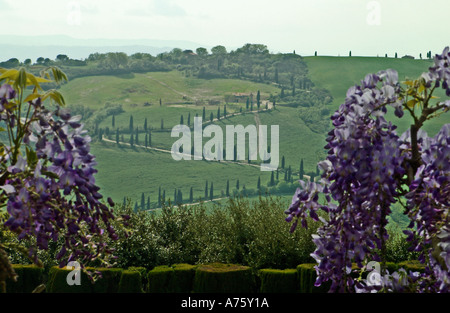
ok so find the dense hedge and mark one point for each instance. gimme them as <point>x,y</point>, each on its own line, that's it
<point>224,278</point>
<point>279,281</point>
<point>29,277</point>
<point>181,278</point>
<point>177,278</point>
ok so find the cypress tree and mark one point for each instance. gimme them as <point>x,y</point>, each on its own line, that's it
<point>145,125</point>
<point>135,207</point>
<point>276,75</point>
<point>146,140</point>
<point>189,119</point>
<point>206,190</point>
<point>218,113</point>
<point>301,171</point>
<point>272,179</point>
<point>131,123</point>
<point>258,186</point>
<point>142,201</point>
<point>237,184</point>
<point>211,117</point>
<point>124,201</point>
<point>175,200</point>
<point>258,99</point>
<point>285,176</point>
<point>191,195</point>
<point>162,124</point>
<point>289,174</point>
<point>132,139</point>
<point>228,188</point>
<point>225,111</point>
<point>181,120</point>
<point>148,203</point>
<point>211,191</point>
<point>150,138</point>
<point>113,123</point>
<point>204,114</point>
<point>117,136</point>
<point>159,197</point>
<point>282,162</point>
<point>278,174</point>
<point>163,199</point>
<point>247,104</point>
<point>179,197</point>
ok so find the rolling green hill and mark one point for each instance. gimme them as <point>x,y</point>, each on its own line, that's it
<point>337,74</point>
<point>130,171</point>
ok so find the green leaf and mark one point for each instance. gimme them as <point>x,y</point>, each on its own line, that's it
<point>31,97</point>
<point>9,74</point>
<point>31,157</point>
<point>411,103</point>
<point>50,174</point>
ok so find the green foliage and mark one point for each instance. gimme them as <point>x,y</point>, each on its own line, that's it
<point>224,278</point>
<point>130,282</point>
<point>28,278</point>
<point>413,265</point>
<point>160,279</point>
<point>278,281</point>
<point>107,281</point>
<point>252,233</point>
<point>397,248</point>
<point>57,283</point>
<point>183,277</point>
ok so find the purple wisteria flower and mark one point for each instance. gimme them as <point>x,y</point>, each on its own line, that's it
<point>49,185</point>
<point>366,172</point>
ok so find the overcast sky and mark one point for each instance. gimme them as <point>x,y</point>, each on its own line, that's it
<point>332,27</point>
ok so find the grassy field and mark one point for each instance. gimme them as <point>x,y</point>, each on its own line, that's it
<point>337,74</point>
<point>128,172</point>
<point>134,90</point>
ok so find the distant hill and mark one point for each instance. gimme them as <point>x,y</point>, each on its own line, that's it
<point>23,47</point>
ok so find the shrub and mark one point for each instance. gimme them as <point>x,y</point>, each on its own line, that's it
<point>28,278</point>
<point>279,281</point>
<point>183,278</point>
<point>160,279</point>
<point>107,283</point>
<point>57,282</point>
<point>224,278</point>
<point>414,266</point>
<point>130,282</point>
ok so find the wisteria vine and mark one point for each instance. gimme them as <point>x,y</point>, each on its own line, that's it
<point>47,173</point>
<point>369,167</point>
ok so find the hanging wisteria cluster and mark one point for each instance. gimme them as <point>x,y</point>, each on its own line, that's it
<point>47,174</point>
<point>369,167</point>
